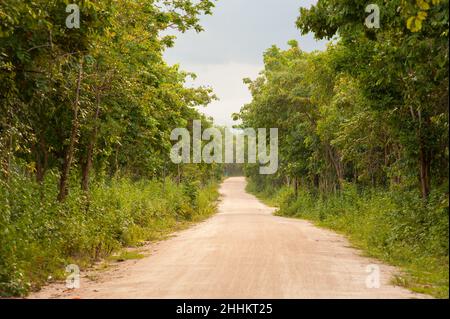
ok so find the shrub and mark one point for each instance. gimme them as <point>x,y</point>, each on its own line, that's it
<point>395,226</point>
<point>39,236</point>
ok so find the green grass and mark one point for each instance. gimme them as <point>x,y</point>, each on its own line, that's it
<point>126,255</point>
<point>40,236</point>
<point>395,227</point>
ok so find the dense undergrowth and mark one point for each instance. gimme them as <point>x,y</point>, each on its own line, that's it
<point>39,236</point>
<point>396,227</point>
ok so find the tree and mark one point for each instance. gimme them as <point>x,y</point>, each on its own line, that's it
<point>99,96</point>
<point>402,68</point>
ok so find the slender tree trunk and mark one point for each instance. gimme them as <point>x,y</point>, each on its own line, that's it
<point>164,179</point>
<point>296,187</point>
<point>41,159</point>
<point>424,172</point>
<point>179,174</point>
<point>6,163</point>
<point>39,164</point>
<point>424,156</point>
<point>90,148</point>
<point>6,157</point>
<point>316,181</point>
<point>337,166</point>
<point>117,160</point>
<point>63,189</point>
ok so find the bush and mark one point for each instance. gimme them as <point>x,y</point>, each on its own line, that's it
<point>40,236</point>
<point>397,227</point>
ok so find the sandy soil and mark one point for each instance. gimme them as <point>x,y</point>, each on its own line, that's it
<point>242,252</point>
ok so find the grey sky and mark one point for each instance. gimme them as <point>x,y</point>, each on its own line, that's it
<point>231,48</point>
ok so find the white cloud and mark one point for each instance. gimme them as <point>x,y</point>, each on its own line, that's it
<point>232,45</point>
<point>226,80</point>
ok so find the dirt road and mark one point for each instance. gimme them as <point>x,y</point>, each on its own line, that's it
<point>242,252</point>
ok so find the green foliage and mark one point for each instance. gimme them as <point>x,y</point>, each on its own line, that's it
<point>40,236</point>
<point>395,227</point>
<point>100,97</point>
<point>92,106</point>
<point>364,131</point>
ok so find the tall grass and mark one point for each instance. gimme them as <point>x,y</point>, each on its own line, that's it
<point>39,236</point>
<point>396,227</point>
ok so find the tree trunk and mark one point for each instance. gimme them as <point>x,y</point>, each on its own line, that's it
<point>316,181</point>
<point>179,174</point>
<point>90,148</point>
<point>6,163</point>
<point>5,160</point>
<point>337,166</point>
<point>63,189</point>
<point>424,156</point>
<point>424,159</point>
<point>41,160</point>
<point>296,187</point>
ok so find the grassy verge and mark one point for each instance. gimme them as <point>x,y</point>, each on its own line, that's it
<point>39,236</point>
<point>395,227</point>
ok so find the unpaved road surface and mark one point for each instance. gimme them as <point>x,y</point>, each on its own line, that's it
<point>242,252</point>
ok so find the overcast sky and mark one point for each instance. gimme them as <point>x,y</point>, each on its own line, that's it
<point>231,48</point>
